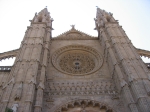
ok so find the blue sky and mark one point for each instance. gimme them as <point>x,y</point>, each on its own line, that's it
<point>133,16</point>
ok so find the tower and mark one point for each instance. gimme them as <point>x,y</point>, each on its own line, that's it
<point>129,72</point>
<point>32,56</point>
<point>75,72</point>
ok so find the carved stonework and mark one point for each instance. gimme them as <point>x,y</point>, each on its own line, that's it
<point>75,72</point>
<point>74,34</point>
<point>80,88</point>
<point>84,105</point>
<point>77,60</point>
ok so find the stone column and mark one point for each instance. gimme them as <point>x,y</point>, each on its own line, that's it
<point>29,96</point>
<point>40,88</point>
<point>39,98</point>
<point>6,95</point>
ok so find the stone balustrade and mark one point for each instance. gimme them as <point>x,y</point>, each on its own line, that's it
<point>8,68</point>
<point>148,65</point>
<point>5,68</point>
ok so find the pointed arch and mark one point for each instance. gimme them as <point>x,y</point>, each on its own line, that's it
<point>29,73</point>
<point>86,104</point>
<point>27,53</point>
<point>19,75</point>
<point>34,53</point>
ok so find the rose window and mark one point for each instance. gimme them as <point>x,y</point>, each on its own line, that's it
<point>77,60</point>
<point>77,63</point>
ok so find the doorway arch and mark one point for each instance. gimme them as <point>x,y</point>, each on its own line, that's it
<point>84,105</point>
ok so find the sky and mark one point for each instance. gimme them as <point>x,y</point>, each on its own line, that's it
<point>133,16</point>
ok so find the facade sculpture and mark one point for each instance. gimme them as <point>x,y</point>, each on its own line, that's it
<point>75,72</point>
<point>14,107</point>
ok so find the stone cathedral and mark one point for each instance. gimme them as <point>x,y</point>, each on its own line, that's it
<point>75,72</point>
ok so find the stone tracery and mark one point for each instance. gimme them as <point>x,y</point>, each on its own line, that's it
<point>77,60</point>
<point>121,58</point>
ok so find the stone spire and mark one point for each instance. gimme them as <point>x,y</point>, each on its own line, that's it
<point>43,16</point>
<point>103,17</point>
<point>132,76</point>
<point>35,45</point>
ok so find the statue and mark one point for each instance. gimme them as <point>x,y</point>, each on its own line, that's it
<point>14,107</point>
<point>35,18</point>
<point>73,26</point>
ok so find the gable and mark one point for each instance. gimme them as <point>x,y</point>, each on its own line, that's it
<point>74,34</point>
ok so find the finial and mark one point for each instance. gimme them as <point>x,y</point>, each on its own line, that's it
<point>45,6</point>
<point>73,26</point>
<point>97,6</point>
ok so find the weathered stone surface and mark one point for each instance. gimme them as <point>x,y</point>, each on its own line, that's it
<point>75,72</point>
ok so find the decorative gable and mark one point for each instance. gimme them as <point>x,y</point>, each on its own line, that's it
<point>74,34</point>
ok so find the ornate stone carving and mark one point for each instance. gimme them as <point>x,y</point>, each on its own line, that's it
<point>84,105</point>
<point>37,86</point>
<point>77,60</point>
<point>74,34</point>
<point>80,88</point>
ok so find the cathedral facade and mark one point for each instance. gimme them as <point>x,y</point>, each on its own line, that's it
<point>75,72</point>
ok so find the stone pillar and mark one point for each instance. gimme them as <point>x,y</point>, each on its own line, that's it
<point>39,98</point>
<point>40,88</point>
<point>6,95</point>
<point>29,96</point>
